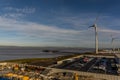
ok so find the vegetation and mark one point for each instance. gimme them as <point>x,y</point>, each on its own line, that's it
<point>49,61</point>
<point>41,61</point>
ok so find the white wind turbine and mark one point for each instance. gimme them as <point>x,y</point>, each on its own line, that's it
<point>96,35</point>
<point>112,42</point>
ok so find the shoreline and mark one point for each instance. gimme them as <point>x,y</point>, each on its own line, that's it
<point>41,61</point>
<point>50,61</point>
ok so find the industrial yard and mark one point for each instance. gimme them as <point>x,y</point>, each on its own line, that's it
<point>91,64</point>
<point>83,67</point>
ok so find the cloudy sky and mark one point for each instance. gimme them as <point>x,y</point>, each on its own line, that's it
<point>59,22</point>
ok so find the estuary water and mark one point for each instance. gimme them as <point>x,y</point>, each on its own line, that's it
<point>21,53</point>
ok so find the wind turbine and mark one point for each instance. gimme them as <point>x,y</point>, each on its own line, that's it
<point>112,42</point>
<point>96,35</point>
<point>113,47</point>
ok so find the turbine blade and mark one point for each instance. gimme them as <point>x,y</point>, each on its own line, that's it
<point>111,36</point>
<point>96,19</point>
<point>89,26</point>
<point>112,40</point>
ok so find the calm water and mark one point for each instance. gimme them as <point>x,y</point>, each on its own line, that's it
<point>4,79</point>
<point>20,53</point>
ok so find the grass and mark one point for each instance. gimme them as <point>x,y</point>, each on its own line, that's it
<point>41,61</point>
<point>48,61</point>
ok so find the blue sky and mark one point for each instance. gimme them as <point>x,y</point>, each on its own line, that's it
<point>58,22</point>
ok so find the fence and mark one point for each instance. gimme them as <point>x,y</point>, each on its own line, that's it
<point>95,75</point>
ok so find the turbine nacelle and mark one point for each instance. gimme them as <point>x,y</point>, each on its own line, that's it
<point>94,25</point>
<point>96,34</point>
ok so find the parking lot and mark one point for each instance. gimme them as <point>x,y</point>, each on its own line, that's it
<point>91,64</point>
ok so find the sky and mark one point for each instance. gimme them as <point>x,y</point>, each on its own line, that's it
<point>59,23</point>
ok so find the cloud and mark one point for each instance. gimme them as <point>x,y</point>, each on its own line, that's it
<point>39,33</point>
<point>14,15</point>
<point>20,10</point>
<point>75,34</point>
<point>106,24</point>
<point>110,31</point>
<point>35,29</point>
<point>17,13</point>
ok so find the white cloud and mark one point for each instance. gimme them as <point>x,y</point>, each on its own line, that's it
<point>17,13</point>
<point>78,35</point>
<point>21,10</point>
<point>106,24</point>
<point>110,31</point>
<point>14,15</point>
<point>34,29</point>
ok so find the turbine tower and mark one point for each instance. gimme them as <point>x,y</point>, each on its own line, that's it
<point>113,47</point>
<point>112,42</point>
<point>96,35</point>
